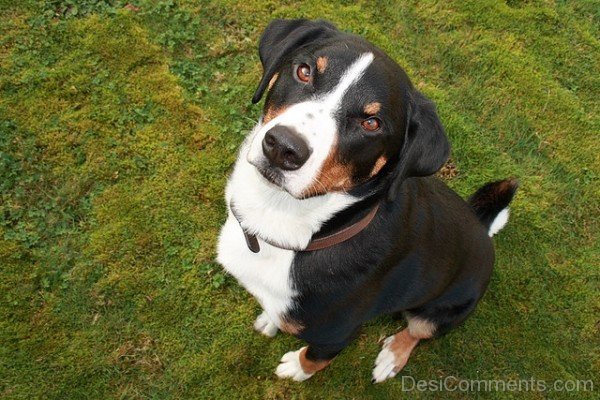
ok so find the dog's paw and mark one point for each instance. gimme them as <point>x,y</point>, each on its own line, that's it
<point>290,367</point>
<point>265,326</point>
<point>385,364</point>
<point>393,356</point>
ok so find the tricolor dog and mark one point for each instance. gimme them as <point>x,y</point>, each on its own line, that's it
<point>333,216</point>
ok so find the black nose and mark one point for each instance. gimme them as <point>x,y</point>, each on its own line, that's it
<point>284,148</point>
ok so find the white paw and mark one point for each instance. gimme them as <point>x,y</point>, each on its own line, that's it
<point>265,326</point>
<point>385,364</point>
<point>290,367</point>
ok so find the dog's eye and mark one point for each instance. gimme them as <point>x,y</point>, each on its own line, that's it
<point>303,72</point>
<point>371,124</point>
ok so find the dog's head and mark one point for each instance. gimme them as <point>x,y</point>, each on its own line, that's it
<point>339,113</point>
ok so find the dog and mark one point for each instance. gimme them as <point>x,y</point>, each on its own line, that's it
<point>333,215</point>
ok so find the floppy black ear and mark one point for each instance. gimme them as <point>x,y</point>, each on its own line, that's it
<point>425,148</point>
<point>281,37</point>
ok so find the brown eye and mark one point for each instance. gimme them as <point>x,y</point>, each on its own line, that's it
<point>371,124</point>
<point>303,72</point>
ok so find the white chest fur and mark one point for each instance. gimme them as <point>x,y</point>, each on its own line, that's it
<point>266,274</point>
<point>271,213</point>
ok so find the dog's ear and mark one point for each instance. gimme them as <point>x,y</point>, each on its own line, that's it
<point>425,148</point>
<point>281,37</point>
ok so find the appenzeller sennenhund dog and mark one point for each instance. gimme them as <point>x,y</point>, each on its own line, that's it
<point>333,216</point>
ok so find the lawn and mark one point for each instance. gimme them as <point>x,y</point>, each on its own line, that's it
<point>120,122</point>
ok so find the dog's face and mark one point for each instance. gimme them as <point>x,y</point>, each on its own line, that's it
<point>339,113</point>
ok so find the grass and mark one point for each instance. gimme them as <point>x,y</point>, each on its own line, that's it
<point>119,125</point>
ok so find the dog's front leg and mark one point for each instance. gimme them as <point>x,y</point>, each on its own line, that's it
<point>265,326</point>
<point>301,364</point>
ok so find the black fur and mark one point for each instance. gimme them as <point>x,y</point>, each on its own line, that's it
<point>280,38</point>
<point>492,198</point>
<point>426,253</point>
<point>425,147</point>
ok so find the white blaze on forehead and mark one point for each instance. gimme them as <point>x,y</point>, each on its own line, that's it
<point>314,120</point>
<point>351,76</point>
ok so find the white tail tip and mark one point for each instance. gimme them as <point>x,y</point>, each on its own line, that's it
<point>499,222</point>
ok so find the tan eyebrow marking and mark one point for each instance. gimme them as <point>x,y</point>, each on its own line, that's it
<point>321,64</point>
<point>372,108</point>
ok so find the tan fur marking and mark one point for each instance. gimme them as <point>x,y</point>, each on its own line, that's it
<point>420,328</point>
<point>310,367</point>
<point>290,326</point>
<point>273,80</point>
<point>321,64</point>
<point>272,113</point>
<point>334,176</point>
<point>378,165</point>
<point>402,345</point>
<point>372,108</point>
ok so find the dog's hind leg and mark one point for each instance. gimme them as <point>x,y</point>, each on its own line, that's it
<point>397,348</point>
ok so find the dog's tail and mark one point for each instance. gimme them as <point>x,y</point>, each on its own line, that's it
<point>490,203</point>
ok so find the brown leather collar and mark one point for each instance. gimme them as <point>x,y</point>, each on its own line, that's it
<point>315,244</point>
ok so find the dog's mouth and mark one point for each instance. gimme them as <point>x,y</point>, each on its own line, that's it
<point>272,175</point>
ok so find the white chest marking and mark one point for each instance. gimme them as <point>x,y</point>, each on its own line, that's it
<point>273,214</point>
<point>264,274</point>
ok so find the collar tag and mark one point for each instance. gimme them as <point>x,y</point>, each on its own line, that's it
<point>251,241</point>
